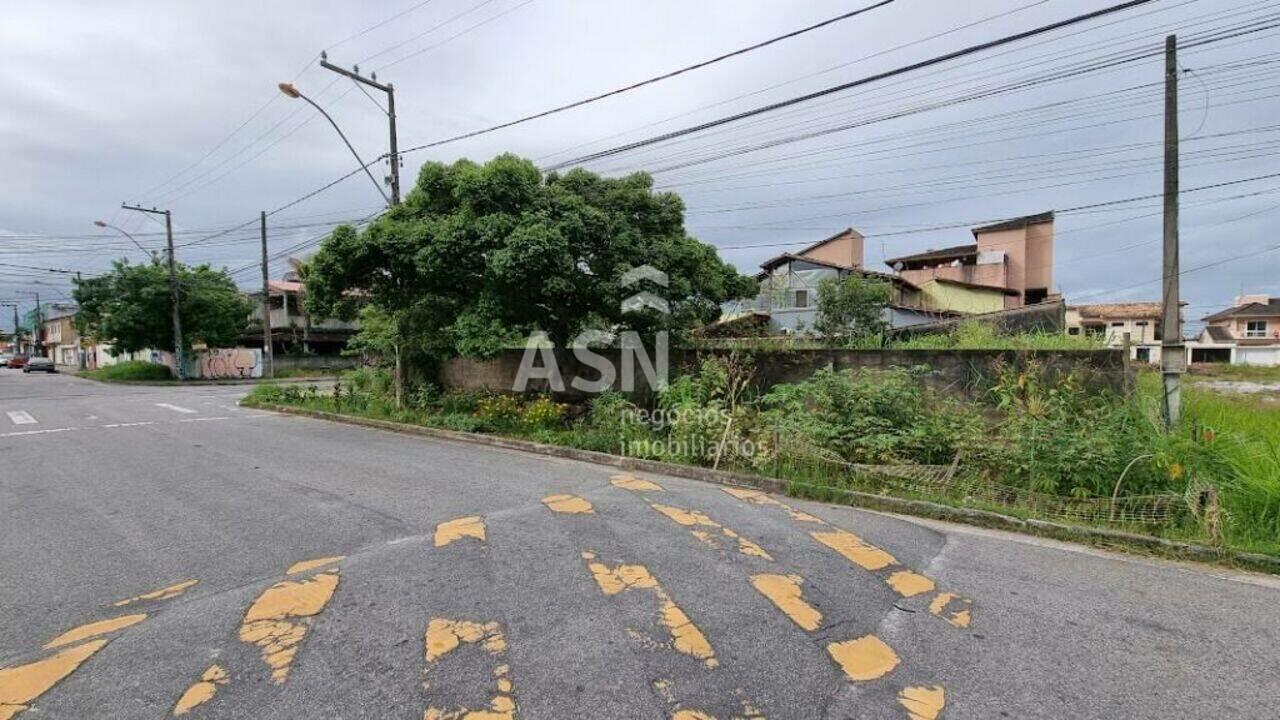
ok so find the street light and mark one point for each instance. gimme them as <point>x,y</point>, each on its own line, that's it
<point>102,224</point>
<point>290,91</point>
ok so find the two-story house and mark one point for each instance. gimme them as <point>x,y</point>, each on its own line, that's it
<point>291,326</point>
<point>1111,321</point>
<point>1248,333</point>
<point>61,340</point>
<point>1009,265</point>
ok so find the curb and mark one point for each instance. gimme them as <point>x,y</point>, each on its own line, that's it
<point>198,383</point>
<point>1101,537</point>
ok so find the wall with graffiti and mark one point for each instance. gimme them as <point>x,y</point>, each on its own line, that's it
<point>219,364</point>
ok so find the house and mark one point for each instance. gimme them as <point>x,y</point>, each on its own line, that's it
<point>1248,333</point>
<point>788,296</point>
<point>291,326</point>
<point>1110,322</point>
<point>1009,265</point>
<point>61,340</point>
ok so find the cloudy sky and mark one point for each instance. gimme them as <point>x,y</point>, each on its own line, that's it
<point>175,105</point>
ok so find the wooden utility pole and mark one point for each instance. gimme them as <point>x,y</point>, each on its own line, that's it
<point>179,356</point>
<point>1173,356</point>
<point>268,353</point>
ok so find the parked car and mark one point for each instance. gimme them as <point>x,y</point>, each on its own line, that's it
<point>39,364</point>
<point>4,359</point>
<point>17,361</point>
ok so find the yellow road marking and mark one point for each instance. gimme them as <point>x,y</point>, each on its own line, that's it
<point>909,584</point>
<point>306,565</point>
<point>571,504</point>
<point>162,594</point>
<point>278,620</point>
<point>759,497</point>
<point>471,526</point>
<point>697,519</point>
<point>626,481</point>
<point>923,703</point>
<point>685,636</point>
<point>201,692</point>
<point>21,685</point>
<point>784,591</point>
<point>865,658</point>
<point>443,636</point>
<point>93,629</point>
<point>959,617</point>
<point>855,549</point>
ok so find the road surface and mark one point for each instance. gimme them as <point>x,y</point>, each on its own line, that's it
<point>166,551</point>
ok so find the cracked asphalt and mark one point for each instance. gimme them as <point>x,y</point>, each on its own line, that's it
<point>168,552</point>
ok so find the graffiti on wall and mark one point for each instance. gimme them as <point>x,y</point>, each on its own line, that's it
<point>228,363</point>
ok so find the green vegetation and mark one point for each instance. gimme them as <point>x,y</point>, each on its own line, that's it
<point>133,370</point>
<point>1033,443</point>
<point>975,335</point>
<point>851,311</point>
<point>1223,371</point>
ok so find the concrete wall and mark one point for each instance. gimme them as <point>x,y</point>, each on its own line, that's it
<point>323,362</point>
<point>843,250</point>
<point>945,296</point>
<point>961,372</point>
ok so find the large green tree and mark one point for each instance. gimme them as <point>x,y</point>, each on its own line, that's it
<point>852,310</point>
<point>480,255</point>
<point>131,307</point>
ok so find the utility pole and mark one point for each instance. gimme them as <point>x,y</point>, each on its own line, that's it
<point>17,349</point>
<point>38,331</point>
<point>179,358</point>
<point>372,81</point>
<point>268,354</point>
<point>1173,357</point>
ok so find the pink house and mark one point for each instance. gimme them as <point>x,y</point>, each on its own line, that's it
<point>1015,256</point>
<point>1247,333</point>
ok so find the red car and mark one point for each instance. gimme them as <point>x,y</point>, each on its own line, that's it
<point>17,361</point>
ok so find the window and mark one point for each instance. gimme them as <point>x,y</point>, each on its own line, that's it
<point>1036,295</point>
<point>802,298</point>
<point>1255,328</point>
<point>1142,354</point>
<point>1141,323</point>
<point>1073,331</point>
<point>1117,324</point>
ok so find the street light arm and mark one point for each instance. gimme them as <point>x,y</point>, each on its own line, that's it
<point>363,165</point>
<point>102,224</point>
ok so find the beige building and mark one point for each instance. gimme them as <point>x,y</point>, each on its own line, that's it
<point>1013,258</point>
<point>1111,321</point>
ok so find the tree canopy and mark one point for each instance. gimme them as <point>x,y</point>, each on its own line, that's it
<point>851,310</point>
<point>131,307</point>
<point>478,256</point>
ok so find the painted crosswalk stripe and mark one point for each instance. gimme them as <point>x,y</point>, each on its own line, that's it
<point>21,417</point>
<point>176,408</point>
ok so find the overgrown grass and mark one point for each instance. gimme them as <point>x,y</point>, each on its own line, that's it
<point>135,370</point>
<point>1223,371</point>
<point>302,372</point>
<point>974,335</point>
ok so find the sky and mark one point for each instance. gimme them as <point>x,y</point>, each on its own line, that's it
<point>175,105</point>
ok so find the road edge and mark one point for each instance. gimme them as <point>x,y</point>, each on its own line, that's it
<point>1097,537</point>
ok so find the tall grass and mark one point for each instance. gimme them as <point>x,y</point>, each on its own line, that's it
<point>131,370</point>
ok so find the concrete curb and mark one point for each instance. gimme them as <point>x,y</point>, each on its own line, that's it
<point>199,383</point>
<point>1101,537</point>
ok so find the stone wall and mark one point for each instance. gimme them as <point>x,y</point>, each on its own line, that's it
<point>960,372</point>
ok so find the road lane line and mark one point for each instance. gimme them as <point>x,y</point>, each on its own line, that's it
<point>569,504</point>
<point>685,636</point>
<point>202,691</point>
<point>443,636</point>
<point>864,658</point>
<point>94,629</point>
<point>21,417</point>
<point>471,526</point>
<point>696,520</point>
<point>954,609</point>
<point>923,703</point>
<point>785,592</point>
<point>275,621</point>
<point>306,565</point>
<point>21,685</point>
<point>175,408</point>
<point>163,593</point>
<point>50,431</point>
<point>627,481</point>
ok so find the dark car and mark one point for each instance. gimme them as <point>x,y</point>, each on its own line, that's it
<point>39,364</point>
<point>17,361</point>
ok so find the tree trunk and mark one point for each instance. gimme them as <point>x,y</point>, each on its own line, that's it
<point>399,378</point>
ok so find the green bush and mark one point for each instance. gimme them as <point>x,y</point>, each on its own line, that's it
<point>131,370</point>
<point>457,401</point>
<point>498,412</point>
<point>542,414</point>
<point>366,380</point>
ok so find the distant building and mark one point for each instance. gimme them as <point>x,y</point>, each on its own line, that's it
<point>291,326</point>
<point>1110,321</point>
<point>1248,333</point>
<point>59,335</point>
<point>1009,265</point>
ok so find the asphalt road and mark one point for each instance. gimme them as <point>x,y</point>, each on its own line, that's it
<point>157,546</point>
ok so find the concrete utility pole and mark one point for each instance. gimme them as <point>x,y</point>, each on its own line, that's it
<point>179,358</point>
<point>372,81</point>
<point>1173,357</point>
<point>17,330</point>
<point>268,354</point>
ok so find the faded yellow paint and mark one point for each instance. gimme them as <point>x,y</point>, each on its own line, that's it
<point>162,594</point>
<point>570,504</point>
<point>697,519</point>
<point>923,703</point>
<point>471,526</point>
<point>685,636</point>
<point>855,549</point>
<point>94,629</point>
<point>443,636</point>
<point>785,592</point>
<point>758,497</point>
<point>277,621</point>
<point>909,584</point>
<point>201,692</point>
<point>960,617</point>
<point>865,658</point>
<point>691,715</point>
<point>630,482</point>
<point>307,565</point>
<point>21,685</point>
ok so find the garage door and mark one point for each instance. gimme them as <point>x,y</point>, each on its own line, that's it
<point>1258,356</point>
